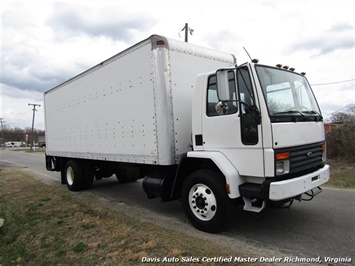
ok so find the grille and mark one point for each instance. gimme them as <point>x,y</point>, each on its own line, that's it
<point>303,158</point>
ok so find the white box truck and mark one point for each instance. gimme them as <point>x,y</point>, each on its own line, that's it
<point>194,125</point>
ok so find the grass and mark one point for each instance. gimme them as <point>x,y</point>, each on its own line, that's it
<point>342,173</point>
<point>47,225</point>
<point>28,149</point>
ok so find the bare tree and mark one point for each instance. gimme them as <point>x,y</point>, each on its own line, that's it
<point>341,140</point>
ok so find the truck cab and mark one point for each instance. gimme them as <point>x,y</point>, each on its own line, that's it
<point>263,129</point>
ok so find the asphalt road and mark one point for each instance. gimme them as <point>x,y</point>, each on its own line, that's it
<point>323,227</point>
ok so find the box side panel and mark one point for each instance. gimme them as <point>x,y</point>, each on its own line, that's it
<point>133,107</point>
<point>107,114</point>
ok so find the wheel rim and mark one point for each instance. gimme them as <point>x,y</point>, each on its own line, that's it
<point>70,176</point>
<point>202,202</point>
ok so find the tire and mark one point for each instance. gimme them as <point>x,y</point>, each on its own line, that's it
<point>205,200</point>
<point>74,175</point>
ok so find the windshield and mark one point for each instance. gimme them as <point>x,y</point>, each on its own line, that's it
<point>287,93</point>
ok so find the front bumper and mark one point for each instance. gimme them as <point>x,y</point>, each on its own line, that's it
<point>291,188</point>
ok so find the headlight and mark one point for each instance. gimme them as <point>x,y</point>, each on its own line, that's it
<point>282,167</point>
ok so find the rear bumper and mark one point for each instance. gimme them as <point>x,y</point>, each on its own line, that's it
<point>291,188</point>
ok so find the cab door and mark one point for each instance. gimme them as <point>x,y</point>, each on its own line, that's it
<point>231,123</point>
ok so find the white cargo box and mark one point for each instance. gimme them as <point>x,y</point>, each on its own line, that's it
<point>134,107</point>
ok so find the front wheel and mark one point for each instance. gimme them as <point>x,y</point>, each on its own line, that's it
<point>205,200</point>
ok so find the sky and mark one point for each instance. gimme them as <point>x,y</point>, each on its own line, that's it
<point>44,43</point>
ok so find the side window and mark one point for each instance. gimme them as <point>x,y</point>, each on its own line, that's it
<point>245,88</point>
<point>249,126</point>
<point>212,97</point>
<point>213,100</point>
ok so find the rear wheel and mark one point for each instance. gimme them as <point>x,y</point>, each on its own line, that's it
<point>74,175</point>
<point>205,200</point>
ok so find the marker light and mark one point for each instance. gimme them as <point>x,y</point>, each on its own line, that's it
<point>292,69</point>
<point>255,61</point>
<point>161,42</point>
<point>303,73</point>
<point>285,67</point>
<point>279,65</point>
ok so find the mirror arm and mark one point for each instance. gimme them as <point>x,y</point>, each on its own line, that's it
<point>254,112</point>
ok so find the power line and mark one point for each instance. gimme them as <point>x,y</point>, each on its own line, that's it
<point>330,83</point>
<point>341,109</point>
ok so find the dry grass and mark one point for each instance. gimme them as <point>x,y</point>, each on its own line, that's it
<point>342,174</point>
<point>46,225</point>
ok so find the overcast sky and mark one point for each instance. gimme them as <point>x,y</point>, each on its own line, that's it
<point>45,43</point>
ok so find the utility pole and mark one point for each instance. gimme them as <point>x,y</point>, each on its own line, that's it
<point>33,120</point>
<point>2,140</point>
<point>187,30</point>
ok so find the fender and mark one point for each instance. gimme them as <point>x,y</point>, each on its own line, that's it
<point>225,166</point>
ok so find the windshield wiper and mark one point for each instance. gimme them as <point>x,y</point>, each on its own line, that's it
<point>290,112</point>
<point>306,117</point>
<point>313,112</point>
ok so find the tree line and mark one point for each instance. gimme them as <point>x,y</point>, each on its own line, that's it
<point>341,140</point>
<point>19,134</point>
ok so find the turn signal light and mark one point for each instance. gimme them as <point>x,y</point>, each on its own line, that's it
<point>324,153</point>
<point>282,156</point>
<point>228,188</point>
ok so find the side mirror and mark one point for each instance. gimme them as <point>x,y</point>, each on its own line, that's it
<point>223,85</point>
<point>221,108</point>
